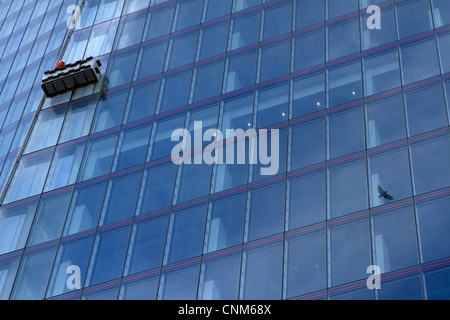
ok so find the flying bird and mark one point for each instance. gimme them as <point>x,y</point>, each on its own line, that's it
<point>384,194</point>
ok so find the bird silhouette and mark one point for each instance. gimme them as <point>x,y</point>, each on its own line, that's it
<point>384,194</point>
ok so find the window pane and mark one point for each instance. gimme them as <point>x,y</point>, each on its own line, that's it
<point>308,12</point>
<point>307,199</point>
<point>9,264</point>
<point>185,236</point>
<point>272,105</point>
<point>15,224</point>
<point>179,282</point>
<point>34,274</point>
<point>389,172</point>
<point>350,256</point>
<point>275,60</point>
<point>266,211</point>
<point>78,120</point>
<point>99,156</point>
<point>151,59</point>
<point>121,197</point>
<point>108,255</point>
<point>444,51</point>
<point>213,40</point>
<point>305,257</point>
<point>139,289</point>
<point>413,17</point>
<point>385,120</point>
<point>338,8</point>
<point>425,109</point>
<point>262,271</point>
<point>121,67</point>
<point>188,14</point>
<point>160,143</point>
<point>174,91</point>
<point>50,217</point>
<point>440,7</point>
<point>344,82</point>
<point>65,166</point>
<point>373,38</point>
<point>159,22</point>
<point>419,60</point>
<point>109,9</point>
<point>308,94</point>
<point>431,168</point>
<point>217,8</point>
<point>347,180</point>
<point>437,283</point>
<point>142,101</point>
<point>304,57</point>
<point>157,187</point>
<point>207,81</point>
<point>244,30</point>
<point>244,4</point>
<point>107,291</point>
<point>407,287</point>
<point>241,71</point>
<point>381,72</point>
<point>277,20</point>
<point>220,280</point>
<point>307,142</point>
<point>433,224</point>
<point>343,38</point>
<point>147,244</point>
<point>102,38</point>
<point>182,50</point>
<point>110,110</point>
<point>345,131</point>
<point>225,222</point>
<point>188,173</point>
<point>85,207</point>
<point>72,251</point>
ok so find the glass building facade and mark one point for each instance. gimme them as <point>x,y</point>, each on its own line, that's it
<point>87,180</point>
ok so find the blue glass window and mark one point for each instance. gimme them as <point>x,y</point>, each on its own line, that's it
<point>225,222</point>
<point>72,251</point>
<point>413,17</point>
<point>277,19</point>
<point>244,4</point>
<point>34,273</point>
<point>217,8</point>
<point>308,12</point>
<point>138,288</point>
<point>272,105</point>
<point>306,198</point>
<point>15,224</point>
<point>275,60</point>
<point>121,197</point>
<point>78,120</point>
<point>425,107</point>
<point>132,147</point>
<point>159,22</point>
<point>102,38</point>
<point>430,165</point>
<point>308,94</point>
<point>338,8</point>
<point>207,81</point>
<point>151,59</point>
<point>160,143</point>
<point>433,225</point>
<point>174,91</point>
<point>262,269</point>
<point>179,282</point>
<point>158,184</point>
<point>381,72</point>
<point>307,142</point>
<point>110,110</point>
<point>347,180</point>
<point>189,13</point>
<point>444,51</point>
<point>65,165</point>
<point>50,217</point>
<point>440,8</point>
<point>394,238</point>
<point>401,287</point>
<point>220,280</point>
<point>385,120</point>
<point>437,283</point>
<point>99,156</point>
<point>372,38</point>
<point>85,208</point>
<point>142,101</point>
<point>121,68</point>
<point>108,255</point>
<point>344,83</point>
<point>186,231</point>
<point>349,256</point>
<point>240,70</point>
<point>244,30</point>
<point>109,9</point>
<point>200,173</point>
<point>182,50</point>
<point>308,48</point>
<point>353,291</point>
<point>343,38</point>
<point>108,291</point>
<point>147,243</point>
<point>305,258</point>
<point>345,131</point>
<point>9,264</point>
<point>419,60</point>
<point>213,40</point>
<point>265,215</point>
<point>389,171</point>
